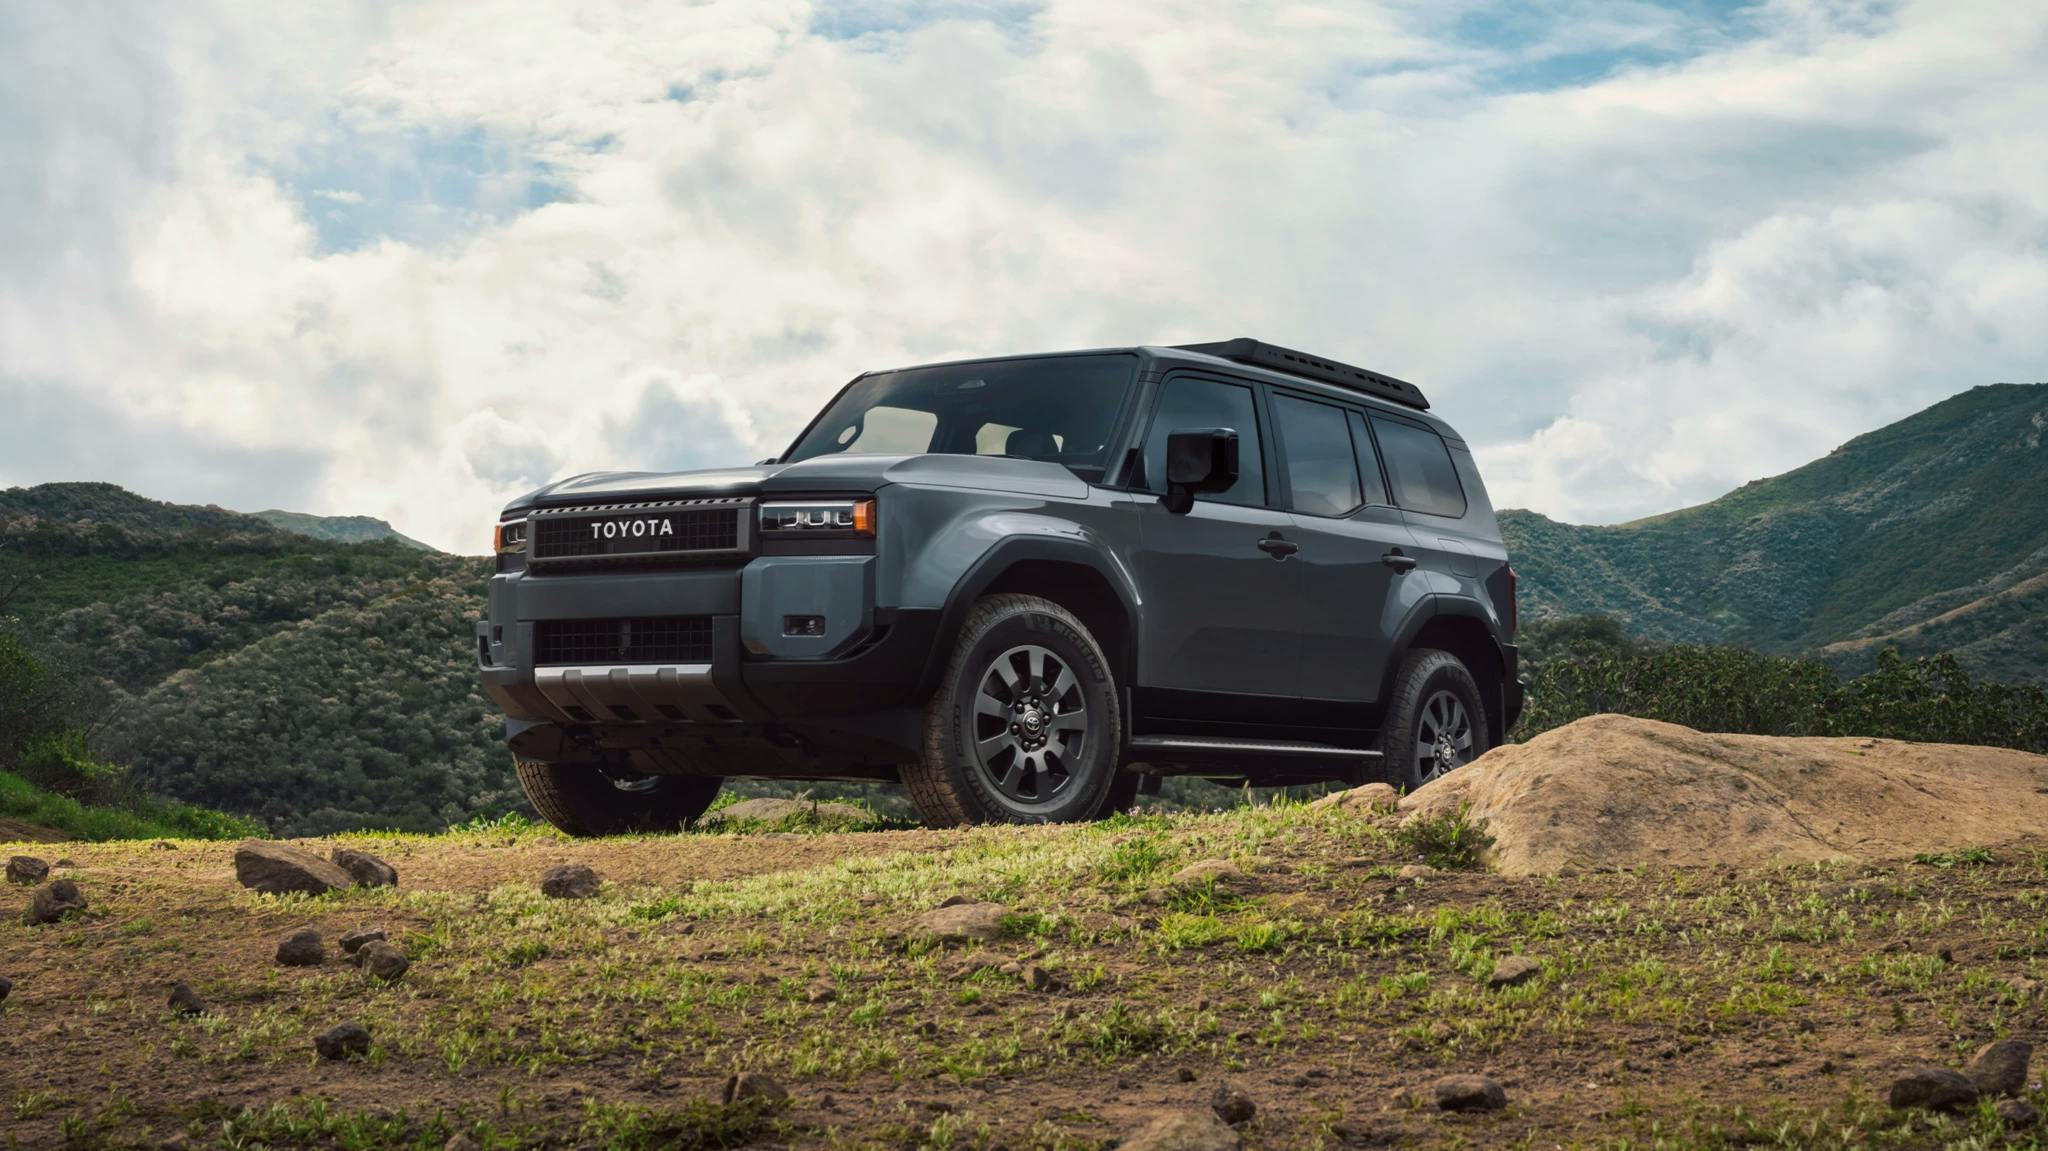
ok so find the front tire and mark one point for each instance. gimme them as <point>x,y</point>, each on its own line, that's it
<point>586,800</point>
<point>1025,726</point>
<point>1437,721</point>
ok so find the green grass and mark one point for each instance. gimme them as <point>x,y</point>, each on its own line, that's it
<point>149,819</point>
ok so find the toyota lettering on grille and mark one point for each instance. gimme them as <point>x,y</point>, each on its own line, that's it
<point>631,529</point>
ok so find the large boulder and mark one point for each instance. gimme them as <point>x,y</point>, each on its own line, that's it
<point>276,868</point>
<point>1614,791</point>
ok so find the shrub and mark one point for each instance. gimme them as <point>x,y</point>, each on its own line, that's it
<point>1450,842</point>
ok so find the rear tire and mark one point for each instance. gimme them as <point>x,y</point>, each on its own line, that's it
<point>582,800</point>
<point>1437,721</point>
<point>1025,726</point>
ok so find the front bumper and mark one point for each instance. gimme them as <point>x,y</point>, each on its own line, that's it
<point>753,670</point>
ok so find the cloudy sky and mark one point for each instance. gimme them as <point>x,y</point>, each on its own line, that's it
<point>409,260</point>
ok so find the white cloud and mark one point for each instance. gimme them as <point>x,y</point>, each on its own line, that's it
<point>1733,248</point>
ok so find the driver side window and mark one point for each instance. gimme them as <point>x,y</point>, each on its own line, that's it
<point>1189,403</point>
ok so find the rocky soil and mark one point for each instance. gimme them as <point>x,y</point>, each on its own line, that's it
<point>1326,976</point>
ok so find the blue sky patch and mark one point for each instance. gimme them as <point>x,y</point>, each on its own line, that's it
<point>415,185</point>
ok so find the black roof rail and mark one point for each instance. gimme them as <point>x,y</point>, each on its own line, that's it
<point>1279,359</point>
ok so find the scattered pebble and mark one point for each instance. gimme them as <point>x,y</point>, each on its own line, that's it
<point>1038,978</point>
<point>753,1085</point>
<point>366,869</point>
<point>2000,1068</point>
<point>2018,1113</point>
<point>822,993</point>
<point>27,869</point>
<point>963,923</point>
<point>1232,1106</point>
<point>1932,1089</point>
<point>352,941</point>
<point>1185,1075</point>
<point>1185,1131</point>
<point>381,960</point>
<point>53,901</point>
<point>1217,871</point>
<point>343,1041</point>
<point>1469,1093</point>
<point>1416,871</point>
<point>1514,970</point>
<point>569,881</point>
<point>6,987</point>
<point>186,1001</point>
<point>302,948</point>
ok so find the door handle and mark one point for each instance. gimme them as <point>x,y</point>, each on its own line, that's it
<point>1278,547</point>
<point>1401,564</point>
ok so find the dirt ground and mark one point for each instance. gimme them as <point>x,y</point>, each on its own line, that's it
<point>1673,1008</point>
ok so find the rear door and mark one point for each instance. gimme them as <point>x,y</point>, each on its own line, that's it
<point>1354,593</point>
<point>1219,584</point>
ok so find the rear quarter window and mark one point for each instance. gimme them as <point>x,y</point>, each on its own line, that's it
<point>1419,468</point>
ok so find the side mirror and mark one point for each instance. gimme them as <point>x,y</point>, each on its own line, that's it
<point>1199,461</point>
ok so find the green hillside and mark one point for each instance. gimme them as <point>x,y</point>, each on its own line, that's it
<point>1929,535</point>
<point>339,529</point>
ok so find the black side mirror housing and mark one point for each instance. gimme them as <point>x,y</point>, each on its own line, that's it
<point>1197,461</point>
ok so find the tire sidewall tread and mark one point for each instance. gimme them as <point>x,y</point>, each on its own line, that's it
<point>1424,672</point>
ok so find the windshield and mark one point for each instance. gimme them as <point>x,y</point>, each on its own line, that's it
<point>1060,409</point>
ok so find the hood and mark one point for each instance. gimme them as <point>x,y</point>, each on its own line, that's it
<point>820,476</point>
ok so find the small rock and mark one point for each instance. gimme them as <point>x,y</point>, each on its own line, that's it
<point>2023,987</point>
<point>1933,1089</point>
<point>1351,1132</point>
<point>461,1142</point>
<point>2000,1068</point>
<point>569,881</point>
<point>302,948</point>
<point>1217,871</point>
<point>822,993</point>
<point>366,869</point>
<point>6,987</point>
<point>1416,871</point>
<point>1038,978</point>
<point>2018,1113</point>
<point>53,901</point>
<point>1184,1131</point>
<point>64,863</point>
<point>27,869</point>
<point>1514,970</point>
<point>276,868</point>
<point>1232,1106</point>
<point>352,941</point>
<point>186,1001</point>
<point>342,1041</point>
<point>1185,1075</point>
<point>963,923</point>
<point>1469,1093</point>
<point>954,901</point>
<point>1373,797</point>
<point>381,960</point>
<point>753,1085</point>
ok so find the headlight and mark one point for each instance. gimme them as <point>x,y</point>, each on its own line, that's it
<point>818,519</point>
<point>510,536</point>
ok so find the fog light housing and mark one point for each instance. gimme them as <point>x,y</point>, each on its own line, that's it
<point>803,626</point>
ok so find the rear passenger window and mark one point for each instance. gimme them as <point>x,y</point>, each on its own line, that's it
<point>1188,404</point>
<point>1419,468</point>
<point>1368,461</point>
<point>1322,471</point>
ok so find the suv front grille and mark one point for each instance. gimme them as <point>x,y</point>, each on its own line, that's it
<point>652,639</point>
<point>680,530</point>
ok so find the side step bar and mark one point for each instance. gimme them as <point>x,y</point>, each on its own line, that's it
<point>1207,747</point>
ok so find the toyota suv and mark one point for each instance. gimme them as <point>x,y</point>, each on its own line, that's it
<point>1026,587</point>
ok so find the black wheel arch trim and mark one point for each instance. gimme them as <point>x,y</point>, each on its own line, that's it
<point>1436,606</point>
<point>996,562</point>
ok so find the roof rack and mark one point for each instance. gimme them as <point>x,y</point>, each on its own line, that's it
<point>1279,359</point>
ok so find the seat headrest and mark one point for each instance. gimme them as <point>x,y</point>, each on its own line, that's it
<point>1031,445</point>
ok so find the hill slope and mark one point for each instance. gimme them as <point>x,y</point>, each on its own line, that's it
<point>1930,534</point>
<point>339,529</point>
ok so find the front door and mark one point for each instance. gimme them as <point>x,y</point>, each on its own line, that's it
<point>1219,583</point>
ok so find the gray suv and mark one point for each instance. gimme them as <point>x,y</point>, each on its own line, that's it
<point>1026,587</point>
